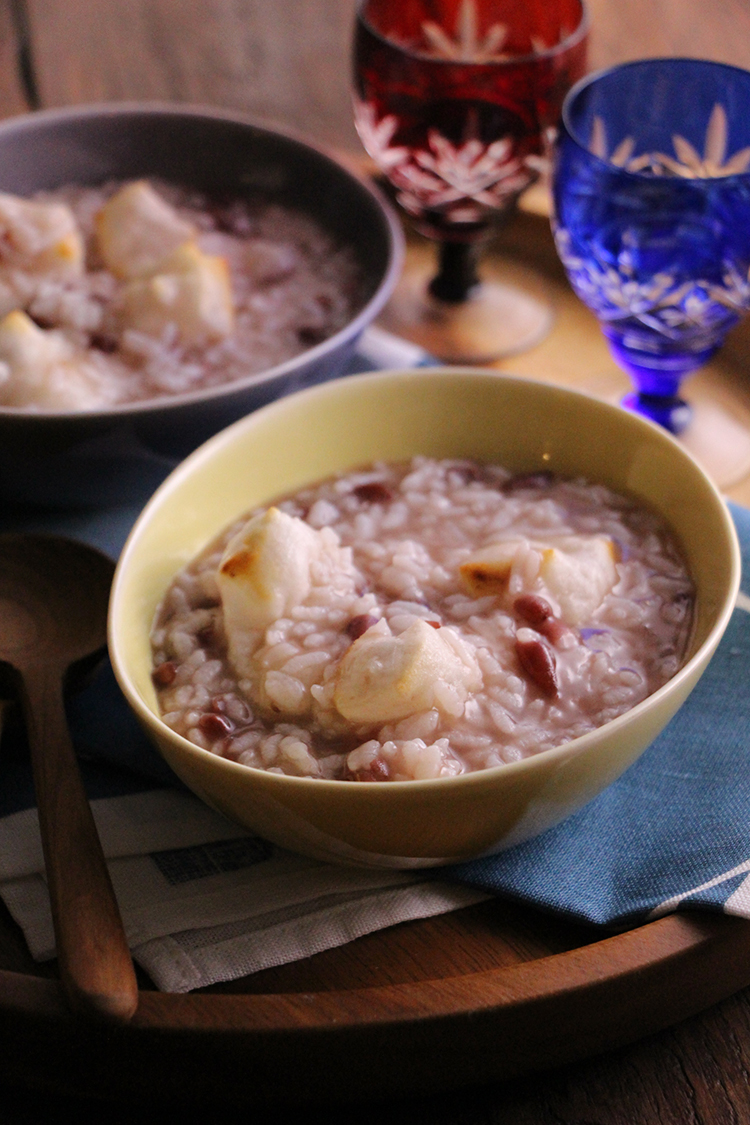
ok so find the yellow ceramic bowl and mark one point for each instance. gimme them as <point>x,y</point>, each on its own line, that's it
<point>522,425</point>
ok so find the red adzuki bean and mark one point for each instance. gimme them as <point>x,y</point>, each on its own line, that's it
<point>360,624</point>
<point>375,492</point>
<point>377,771</point>
<point>214,726</point>
<point>538,661</point>
<point>165,674</point>
<point>537,612</point>
<point>532,608</point>
<point>553,629</point>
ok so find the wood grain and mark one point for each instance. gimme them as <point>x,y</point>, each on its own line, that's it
<point>227,53</point>
<point>632,29</point>
<point>53,616</point>
<point>287,63</point>
<point>95,963</point>
<point>12,55</point>
<point>388,1039</point>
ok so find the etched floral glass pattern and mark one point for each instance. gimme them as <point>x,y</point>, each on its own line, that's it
<point>652,216</point>
<point>454,100</point>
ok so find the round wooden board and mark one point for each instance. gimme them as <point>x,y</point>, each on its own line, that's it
<point>488,993</point>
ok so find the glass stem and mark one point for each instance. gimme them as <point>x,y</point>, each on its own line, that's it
<point>457,275</point>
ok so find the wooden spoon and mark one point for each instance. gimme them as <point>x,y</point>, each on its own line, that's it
<point>53,615</point>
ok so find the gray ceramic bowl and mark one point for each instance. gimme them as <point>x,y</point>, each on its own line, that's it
<point>122,454</point>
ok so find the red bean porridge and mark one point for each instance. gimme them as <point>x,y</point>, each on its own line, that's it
<point>131,291</point>
<point>420,620</point>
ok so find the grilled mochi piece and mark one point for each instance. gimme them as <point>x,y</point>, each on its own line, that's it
<point>579,571</point>
<point>191,291</point>
<point>42,368</point>
<point>383,678</point>
<point>40,237</point>
<point>488,570</point>
<point>136,230</point>
<point>575,572</point>
<point>265,568</point>
<point>268,568</point>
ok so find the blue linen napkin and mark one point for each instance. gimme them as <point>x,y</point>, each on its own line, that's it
<point>672,833</point>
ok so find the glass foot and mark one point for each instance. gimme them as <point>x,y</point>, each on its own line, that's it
<point>718,434</point>
<point>673,413</point>
<point>500,317</point>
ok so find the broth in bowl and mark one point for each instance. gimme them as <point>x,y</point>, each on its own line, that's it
<point>421,619</point>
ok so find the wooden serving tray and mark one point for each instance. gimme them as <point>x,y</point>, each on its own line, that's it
<point>487,993</point>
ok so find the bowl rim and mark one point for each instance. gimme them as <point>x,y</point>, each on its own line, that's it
<point>38,119</point>
<point>203,454</point>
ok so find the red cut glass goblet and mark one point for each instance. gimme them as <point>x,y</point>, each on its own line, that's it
<point>456,101</point>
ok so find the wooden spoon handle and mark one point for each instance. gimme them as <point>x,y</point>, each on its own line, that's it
<point>95,964</point>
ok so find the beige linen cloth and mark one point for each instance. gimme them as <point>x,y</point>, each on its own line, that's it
<point>203,902</point>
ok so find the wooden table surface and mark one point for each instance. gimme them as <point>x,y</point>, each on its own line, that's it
<point>286,63</point>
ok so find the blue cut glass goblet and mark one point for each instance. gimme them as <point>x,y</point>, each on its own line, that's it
<point>652,216</point>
